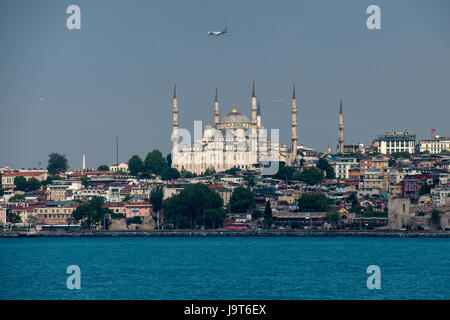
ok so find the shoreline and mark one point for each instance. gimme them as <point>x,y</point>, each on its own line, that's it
<point>222,233</point>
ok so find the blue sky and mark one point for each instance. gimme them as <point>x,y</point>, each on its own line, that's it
<point>74,91</point>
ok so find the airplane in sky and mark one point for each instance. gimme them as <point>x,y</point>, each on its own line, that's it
<point>217,33</point>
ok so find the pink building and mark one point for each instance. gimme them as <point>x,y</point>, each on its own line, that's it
<point>142,209</point>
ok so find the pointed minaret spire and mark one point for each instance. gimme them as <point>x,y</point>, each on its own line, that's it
<point>175,89</point>
<point>294,124</point>
<point>175,127</point>
<point>254,108</point>
<point>254,90</point>
<point>258,115</point>
<point>341,129</point>
<point>216,106</point>
<point>217,94</point>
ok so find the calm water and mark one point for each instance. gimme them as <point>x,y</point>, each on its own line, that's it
<point>224,268</point>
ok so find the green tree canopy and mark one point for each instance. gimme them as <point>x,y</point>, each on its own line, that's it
<point>190,207</point>
<point>325,165</point>
<point>91,213</point>
<point>17,198</point>
<point>332,217</point>
<point>310,176</point>
<point>250,181</point>
<point>13,217</point>
<point>169,173</point>
<point>20,183</point>
<point>103,167</point>
<point>155,162</point>
<point>57,163</point>
<point>135,165</point>
<point>232,171</point>
<point>313,203</point>
<point>268,220</point>
<point>156,198</point>
<point>284,172</point>
<point>169,159</point>
<point>242,199</point>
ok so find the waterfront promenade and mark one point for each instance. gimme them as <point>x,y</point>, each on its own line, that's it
<point>226,233</point>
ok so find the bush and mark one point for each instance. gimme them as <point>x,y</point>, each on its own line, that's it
<point>134,220</point>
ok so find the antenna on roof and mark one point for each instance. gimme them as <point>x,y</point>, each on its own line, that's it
<point>117,150</point>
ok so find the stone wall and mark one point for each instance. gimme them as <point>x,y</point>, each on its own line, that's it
<point>403,214</point>
<point>148,224</point>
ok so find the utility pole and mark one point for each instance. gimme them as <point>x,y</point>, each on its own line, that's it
<point>117,151</point>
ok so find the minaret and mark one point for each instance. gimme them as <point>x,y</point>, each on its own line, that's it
<point>294,126</point>
<point>216,107</point>
<point>254,108</point>
<point>258,115</point>
<point>84,161</point>
<point>341,129</point>
<point>175,124</point>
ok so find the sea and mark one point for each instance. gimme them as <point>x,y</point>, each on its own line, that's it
<point>235,268</point>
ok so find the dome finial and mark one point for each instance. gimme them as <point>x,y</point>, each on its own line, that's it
<point>234,108</point>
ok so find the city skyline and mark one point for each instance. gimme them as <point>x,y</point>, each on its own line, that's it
<point>74,91</point>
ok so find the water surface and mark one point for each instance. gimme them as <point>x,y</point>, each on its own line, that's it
<point>224,268</point>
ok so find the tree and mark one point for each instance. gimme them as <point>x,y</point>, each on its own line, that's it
<point>156,199</point>
<point>209,172</point>
<point>50,180</point>
<point>310,176</point>
<point>2,192</point>
<point>135,165</point>
<point>323,164</point>
<point>23,184</point>
<point>154,162</point>
<point>313,203</point>
<point>186,174</point>
<point>232,171</point>
<point>20,183</point>
<point>85,181</point>
<point>169,173</point>
<point>284,172</point>
<point>257,214</point>
<point>250,182</point>
<point>13,217</point>
<point>425,189</point>
<point>57,163</point>
<point>17,198</point>
<point>190,207</point>
<point>436,218</point>
<point>242,199</point>
<point>169,159</point>
<point>91,213</point>
<point>332,217</point>
<point>403,155</point>
<point>33,184</point>
<point>103,167</point>
<point>268,220</point>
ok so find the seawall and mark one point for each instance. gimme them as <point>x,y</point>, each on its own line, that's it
<point>223,233</point>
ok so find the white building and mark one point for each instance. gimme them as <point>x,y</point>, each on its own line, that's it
<point>343,165</point>
<point>393,142</point>
<point>440,195</point>
<point>121,167</point>
<point>435,145</point>
<point>232,141</point>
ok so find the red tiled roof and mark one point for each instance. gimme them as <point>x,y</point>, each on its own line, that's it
<point>25,173</point>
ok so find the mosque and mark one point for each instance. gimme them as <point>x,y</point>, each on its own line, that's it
<point>233,140</point>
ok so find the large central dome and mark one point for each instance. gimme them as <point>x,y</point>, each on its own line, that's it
<point>234,117</point>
